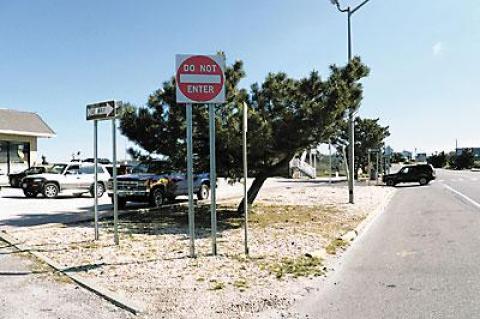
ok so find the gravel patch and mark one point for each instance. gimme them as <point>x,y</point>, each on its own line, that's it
<point>151,264</point>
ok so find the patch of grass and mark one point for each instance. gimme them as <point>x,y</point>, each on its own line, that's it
<point>241,284</point>
<point>335,245</point>
<point>297,267</point>
<point>217,285</point>
<point>200,279</point>
<point>264,216</point>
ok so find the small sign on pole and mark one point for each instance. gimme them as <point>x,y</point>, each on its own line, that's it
<point>200,79</point>
<point>103,110</point>
<point>108,110</point>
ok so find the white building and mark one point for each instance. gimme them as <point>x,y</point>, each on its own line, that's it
<point>19,132</point>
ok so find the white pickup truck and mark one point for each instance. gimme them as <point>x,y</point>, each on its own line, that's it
<point>66,178</point>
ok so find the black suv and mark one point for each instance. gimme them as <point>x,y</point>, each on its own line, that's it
<point>421,173</point>
<point>15,180</point>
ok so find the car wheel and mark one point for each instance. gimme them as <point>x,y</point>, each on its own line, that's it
<point>50,190</point>
<point>100,190</point>
<point>30,194</point>
<point>423,181</point>
<point>390,182</point>
<point>157,197</point>
<point>203,192</point>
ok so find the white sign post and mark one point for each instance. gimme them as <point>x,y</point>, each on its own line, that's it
<point>200,79</point>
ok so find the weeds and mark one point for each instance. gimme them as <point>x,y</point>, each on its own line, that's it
<point>335,245</point>
<point>297,267</point>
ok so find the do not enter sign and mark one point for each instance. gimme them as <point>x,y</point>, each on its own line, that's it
<point>200,79</point>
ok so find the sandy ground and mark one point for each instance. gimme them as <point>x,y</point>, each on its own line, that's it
<point>289,231</point>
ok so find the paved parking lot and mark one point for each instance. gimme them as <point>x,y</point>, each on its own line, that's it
<point>16,210</point>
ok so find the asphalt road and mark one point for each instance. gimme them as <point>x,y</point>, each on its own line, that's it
<point>418,259</point>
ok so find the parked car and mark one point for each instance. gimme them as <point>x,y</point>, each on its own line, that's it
<point>15,180</point>
<point>66,178</point>
<point>420,173</point>
<point>154,182</point>
<point>122,169</point>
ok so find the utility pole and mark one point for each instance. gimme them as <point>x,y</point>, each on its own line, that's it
<point>351,125</point>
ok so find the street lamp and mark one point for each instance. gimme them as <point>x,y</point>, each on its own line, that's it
<point>351,158</point>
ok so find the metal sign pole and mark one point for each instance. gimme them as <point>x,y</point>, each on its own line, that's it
<point>115,190</point>
<point>95,155</point>
<point>191,213</point>
<point>213,178</point>
<point>369,166</point>
<point>330,162</point>
<point>245,172</point>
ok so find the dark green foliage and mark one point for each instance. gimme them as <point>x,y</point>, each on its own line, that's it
<point>286,116</point>
<point>369,134</point>
<point>438,160</point>
<point>465,160</point>
<point>397,157</point>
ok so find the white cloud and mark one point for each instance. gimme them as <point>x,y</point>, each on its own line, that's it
<point>438,48</point>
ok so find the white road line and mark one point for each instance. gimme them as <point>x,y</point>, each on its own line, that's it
<point>468,199</point>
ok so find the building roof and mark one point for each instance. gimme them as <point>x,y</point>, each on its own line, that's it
<point>23,123</point>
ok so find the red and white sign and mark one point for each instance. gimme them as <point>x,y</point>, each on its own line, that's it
<point>200,78</point>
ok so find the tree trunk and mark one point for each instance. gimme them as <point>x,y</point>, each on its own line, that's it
<point>260,180</point>
<point>252,192</point>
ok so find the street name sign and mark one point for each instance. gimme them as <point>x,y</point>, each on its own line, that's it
<point>200,78</point>
<point>107,110</point>
<point>102,111</point>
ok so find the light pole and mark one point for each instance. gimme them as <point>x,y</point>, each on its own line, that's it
<point>351,139</point>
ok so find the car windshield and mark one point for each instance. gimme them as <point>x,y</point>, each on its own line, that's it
<point>151,168</point>
<point>56,169</point>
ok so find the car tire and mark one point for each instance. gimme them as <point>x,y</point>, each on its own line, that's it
<point>100,190</point>
<point>423,181</point>
<point>157,197</point>
<point>30,194</point>
<point>203,192</point>
<point>390,182</point>
<point>50,190</point>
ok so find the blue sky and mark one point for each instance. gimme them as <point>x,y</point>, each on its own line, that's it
<point>58,56</point>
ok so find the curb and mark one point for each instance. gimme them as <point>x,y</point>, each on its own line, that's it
<point>105,294</point>
<point>352,234</point>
